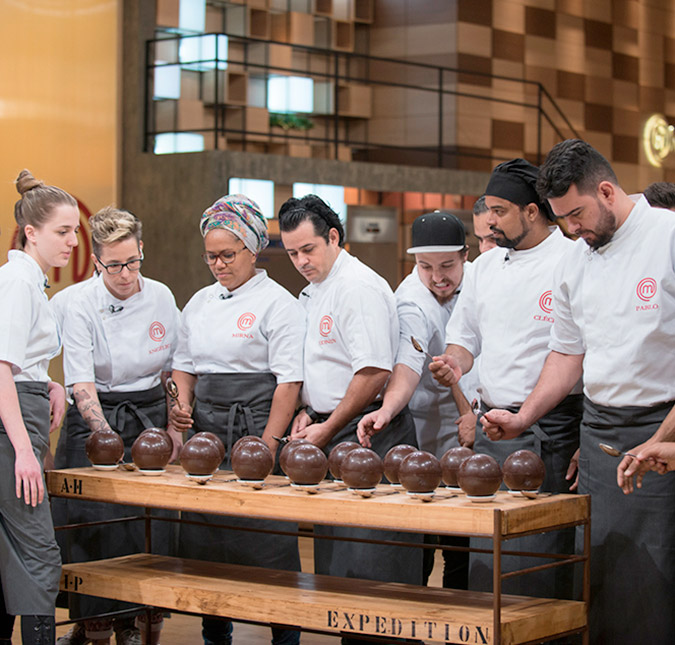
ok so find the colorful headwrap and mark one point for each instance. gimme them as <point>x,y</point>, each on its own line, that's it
<point>242,217</point>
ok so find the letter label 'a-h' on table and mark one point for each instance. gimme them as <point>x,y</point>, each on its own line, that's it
<point>72,488</point>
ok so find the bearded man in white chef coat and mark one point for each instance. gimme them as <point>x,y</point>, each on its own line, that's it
<point>614,301</point>
<point>350,347</point>
<point>503,316</point>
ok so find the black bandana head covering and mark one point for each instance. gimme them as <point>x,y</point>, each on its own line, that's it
<point>515,181</point>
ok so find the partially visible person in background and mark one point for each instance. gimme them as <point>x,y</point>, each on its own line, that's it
<point>481,229</point>
<point>443,416</point>
<point>661,194</point>
<point>30,565</point>
<point>119,335</point>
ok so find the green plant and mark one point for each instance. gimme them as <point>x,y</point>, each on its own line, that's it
<point>290,122</point>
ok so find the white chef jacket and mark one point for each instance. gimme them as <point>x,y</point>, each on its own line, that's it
<point>58,303</point>
<point>616,306</point>
<point>119,345</point>
<point>351,324</point>
<point>432,404</point>
<point>505,313</point>
<point>29,337</point>
<point>258,327</point>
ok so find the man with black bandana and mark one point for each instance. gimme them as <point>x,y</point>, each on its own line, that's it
<point>503,316</point>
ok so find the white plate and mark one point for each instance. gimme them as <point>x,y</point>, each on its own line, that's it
<point>200,479</point>
<point>532,494</point>
<point>257,484</point>
<point>152,473</point>
<point>105,466</point>
<point>478,499</point>
<point>454,489</point>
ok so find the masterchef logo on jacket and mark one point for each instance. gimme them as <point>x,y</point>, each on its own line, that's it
<point>244,323</point>
<point>646,290</point>
<point>325,329</point>
<point>546,306</point>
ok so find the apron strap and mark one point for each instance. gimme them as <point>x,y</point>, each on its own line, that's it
<point>117,420</point>
<point>241,416</point>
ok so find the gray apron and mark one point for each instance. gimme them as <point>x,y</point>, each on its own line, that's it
<point>30,563</point>
<point>371,561</point>
<point>129,413</point>
<point>232,406</point>
<point>555,438</point>
<point>632,536</point>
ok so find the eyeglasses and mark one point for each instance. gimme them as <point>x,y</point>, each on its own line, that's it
<point>226,257</point>
<point>116,267</point>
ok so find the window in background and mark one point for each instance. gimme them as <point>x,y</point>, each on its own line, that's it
<point>334,196</point>
<point>172,142</point>
<point>287,94</point>
<point>261,191</point>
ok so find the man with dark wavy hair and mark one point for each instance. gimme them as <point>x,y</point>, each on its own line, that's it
<point>614,298</point>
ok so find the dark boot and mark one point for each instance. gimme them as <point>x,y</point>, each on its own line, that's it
<point>6,621</point>
<point>38,630</point>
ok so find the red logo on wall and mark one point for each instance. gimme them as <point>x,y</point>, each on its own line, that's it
<point>546,302</point>
<point>245,321</point>
<point>646,289</point>
<point>157,331</point>
<point>325,325</point>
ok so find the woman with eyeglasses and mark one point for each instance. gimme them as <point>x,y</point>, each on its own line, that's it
<point>119,335</point>
<point>238,368</point>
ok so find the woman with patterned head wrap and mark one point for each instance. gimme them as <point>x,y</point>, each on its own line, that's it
<point>238,368</point>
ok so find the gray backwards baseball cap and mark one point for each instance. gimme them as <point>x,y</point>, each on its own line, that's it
<point>438,232</point>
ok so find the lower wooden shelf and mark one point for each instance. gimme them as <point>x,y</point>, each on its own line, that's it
<point>324,603</point>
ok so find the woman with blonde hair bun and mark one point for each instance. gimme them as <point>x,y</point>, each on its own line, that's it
<point>119,334</point>
<point>30,564</point>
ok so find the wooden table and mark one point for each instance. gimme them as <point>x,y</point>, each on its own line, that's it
<point>327,603</point>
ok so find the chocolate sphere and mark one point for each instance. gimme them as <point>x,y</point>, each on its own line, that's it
<point>243,441</point>
<point>216,439</point>
<point>287,450</point>
<point>200,456</point>
<point>306,464</point>
<point>152,449</point>
<point>361,468</point>
<point>338,454</point>
<point>393,458</point>
<point>479,475</point>
<point>420,472</point>
<point>450,463</point>
<point>104,447</point>
<point>253,460</point>
<point>524,470</point>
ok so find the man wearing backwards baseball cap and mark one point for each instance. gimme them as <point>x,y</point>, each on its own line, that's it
<point>424,303</point>
<point>504,316</point>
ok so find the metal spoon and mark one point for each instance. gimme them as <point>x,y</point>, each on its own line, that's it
<point>282,440</point>
<point>172,390</point>
<point>419,348</point>
<point>475,408</point>
<point>614,452</point>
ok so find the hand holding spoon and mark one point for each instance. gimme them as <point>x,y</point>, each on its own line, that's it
<point>172,390</point>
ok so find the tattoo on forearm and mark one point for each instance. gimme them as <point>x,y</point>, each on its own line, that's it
<point>91,411</point>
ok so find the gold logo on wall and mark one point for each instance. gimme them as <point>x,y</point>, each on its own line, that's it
<point>658,138</point>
